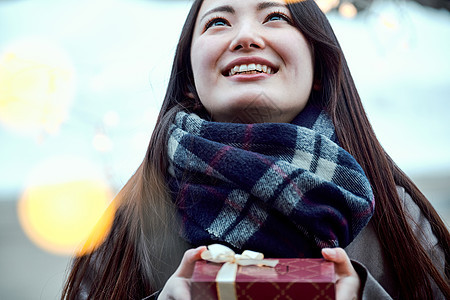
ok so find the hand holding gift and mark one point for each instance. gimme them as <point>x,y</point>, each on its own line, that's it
<point>348,283</point>
<point>290,278</point>
<point>178,285</point>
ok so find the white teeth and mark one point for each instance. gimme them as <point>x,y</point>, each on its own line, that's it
<point>243,68</point>
<point>250,67</point>
<point>234,70</point>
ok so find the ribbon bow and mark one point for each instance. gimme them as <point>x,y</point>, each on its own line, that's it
<point>226,276</point>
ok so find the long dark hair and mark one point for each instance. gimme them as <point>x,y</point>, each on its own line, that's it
<point>134,260</point>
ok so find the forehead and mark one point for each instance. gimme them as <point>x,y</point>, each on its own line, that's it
<point>210,4</point>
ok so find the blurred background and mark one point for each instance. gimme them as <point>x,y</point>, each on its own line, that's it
<point>81,83</point>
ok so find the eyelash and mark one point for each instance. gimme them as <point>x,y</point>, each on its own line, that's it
<point>283,16</point>
<point>278,14</point>
<point>213,20</point>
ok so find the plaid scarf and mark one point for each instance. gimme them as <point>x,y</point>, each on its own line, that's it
<point>286,190</point>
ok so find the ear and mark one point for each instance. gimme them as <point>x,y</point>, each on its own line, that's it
<point>197,103</point>
<point>189,95</point>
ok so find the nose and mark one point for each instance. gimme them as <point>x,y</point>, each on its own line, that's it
<point>247,37</point>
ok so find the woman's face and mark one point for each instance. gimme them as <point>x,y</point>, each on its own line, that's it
<point>250,64</point>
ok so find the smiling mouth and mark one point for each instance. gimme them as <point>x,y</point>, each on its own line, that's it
<point>250,69</point>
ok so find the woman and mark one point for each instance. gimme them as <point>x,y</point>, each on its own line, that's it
<point>274,108</point>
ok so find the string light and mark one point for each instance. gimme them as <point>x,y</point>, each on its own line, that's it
<point>327,5</point>
<point>348,10</point>
<point>102,142</point>
<point>36,87</point>
<point>388,22</point>
<point>293,1</point>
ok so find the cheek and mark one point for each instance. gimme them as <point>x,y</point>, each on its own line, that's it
<point>203,56</point>
<point>297,53</point>
<point>201,60</point>
<point>208,50</point>
<point>196,61</point>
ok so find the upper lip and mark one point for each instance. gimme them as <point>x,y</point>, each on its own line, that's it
<point>248,60</point>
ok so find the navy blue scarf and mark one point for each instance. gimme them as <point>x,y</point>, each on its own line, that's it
<point>287,190</point>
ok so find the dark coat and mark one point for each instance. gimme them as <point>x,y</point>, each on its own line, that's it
<point>366,255</point>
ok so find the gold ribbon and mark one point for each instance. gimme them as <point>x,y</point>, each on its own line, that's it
<point>226,276</point>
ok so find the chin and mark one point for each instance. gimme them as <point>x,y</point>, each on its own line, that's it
<point>255,107</point>
<point>249,114</point>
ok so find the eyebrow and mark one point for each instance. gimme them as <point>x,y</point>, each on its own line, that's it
<point>223,8</point>
<point>230,9</point>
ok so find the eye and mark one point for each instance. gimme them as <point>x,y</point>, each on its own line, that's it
<point>215,22</point>
<point>278,16</point>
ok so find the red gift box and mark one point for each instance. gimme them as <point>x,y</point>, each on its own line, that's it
<point>299,278</point>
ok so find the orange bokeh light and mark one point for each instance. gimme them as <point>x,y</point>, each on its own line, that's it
<point>67,218</point>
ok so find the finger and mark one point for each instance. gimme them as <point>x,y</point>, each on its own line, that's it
<point>341,260</point>
<point>176,288</point>
<point>348,283</point>
<point>186,266</point>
